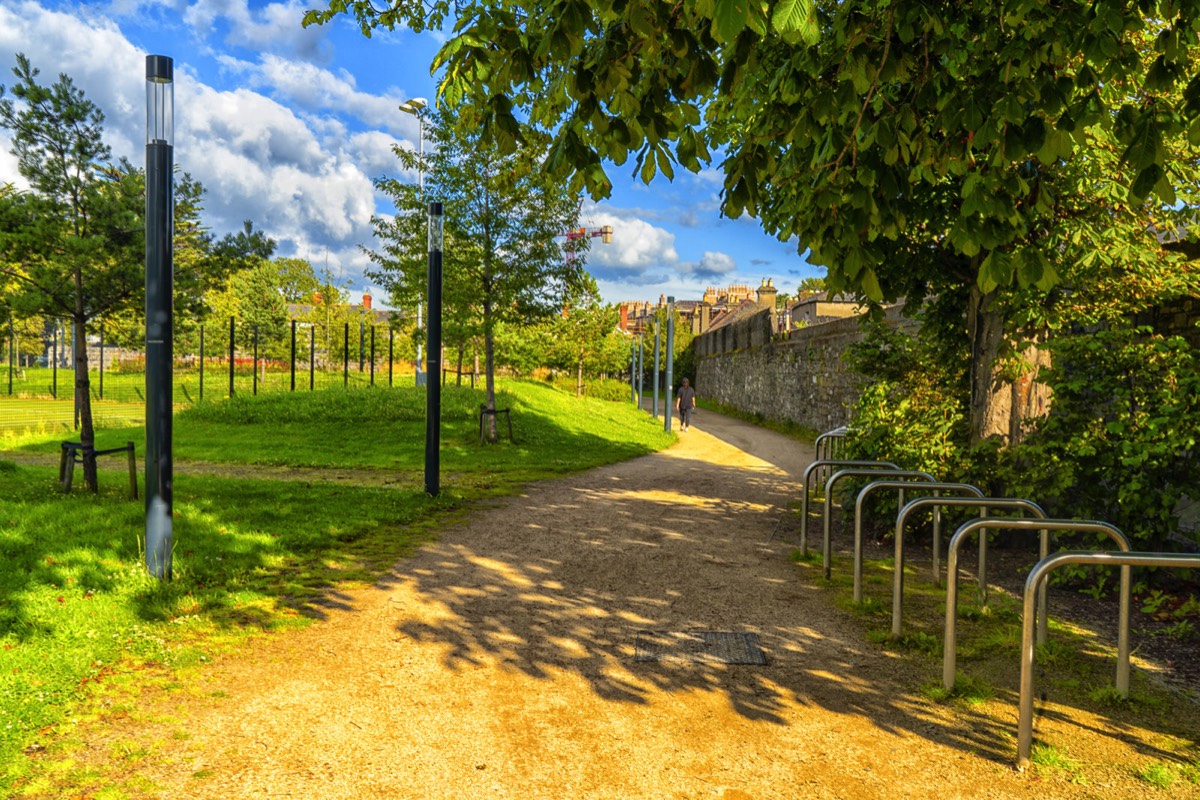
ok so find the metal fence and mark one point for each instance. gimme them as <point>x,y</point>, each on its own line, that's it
<point>213,360</point>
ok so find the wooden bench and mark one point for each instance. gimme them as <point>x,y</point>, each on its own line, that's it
<point>484,411</point>
<point>73,453</point>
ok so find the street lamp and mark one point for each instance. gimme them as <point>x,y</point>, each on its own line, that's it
<point>160,134</point>
<point>418,107</point>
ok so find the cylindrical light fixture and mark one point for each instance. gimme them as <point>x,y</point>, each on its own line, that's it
<point>160,224</point>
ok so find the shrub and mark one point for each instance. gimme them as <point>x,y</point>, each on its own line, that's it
<point>1119,443</point>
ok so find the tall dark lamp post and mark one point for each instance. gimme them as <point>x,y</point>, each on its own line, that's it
<point>160,134</point>
<point>433,388</point>
<point>670,361</point>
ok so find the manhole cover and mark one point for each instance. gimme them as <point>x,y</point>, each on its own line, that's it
<point>717,647</point>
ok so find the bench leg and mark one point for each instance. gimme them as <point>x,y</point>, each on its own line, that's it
<point>132,473</point>
<point>62,465</point>
<point>68,474</point>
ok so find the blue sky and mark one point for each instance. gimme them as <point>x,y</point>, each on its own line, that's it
<point>287,127</point>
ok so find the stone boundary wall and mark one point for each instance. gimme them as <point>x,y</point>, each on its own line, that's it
<point>1179,317</point>
<point>801,378</point>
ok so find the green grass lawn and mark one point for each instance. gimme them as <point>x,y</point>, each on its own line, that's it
<point>250,555</point>
<point>43,402</point>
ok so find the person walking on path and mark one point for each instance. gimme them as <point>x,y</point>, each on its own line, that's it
<point>685,401</point>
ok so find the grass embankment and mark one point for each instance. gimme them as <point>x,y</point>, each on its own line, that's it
<point>78,613</point>
<point>42,403</point>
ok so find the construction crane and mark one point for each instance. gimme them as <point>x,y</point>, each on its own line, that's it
<point>604,232</point>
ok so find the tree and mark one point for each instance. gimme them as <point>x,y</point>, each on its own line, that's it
<point>74,242</point>
<point>974,151</point>
<point>581,332</point>
<point>502,219</point>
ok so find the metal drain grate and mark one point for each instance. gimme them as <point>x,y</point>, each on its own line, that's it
<point>714,647</point>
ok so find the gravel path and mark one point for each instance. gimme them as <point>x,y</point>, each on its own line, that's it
<point>499,662</point>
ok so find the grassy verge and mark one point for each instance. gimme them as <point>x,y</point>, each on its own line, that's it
<point>251,555</point>
<point>787,428</point>
<point>1073,669</point>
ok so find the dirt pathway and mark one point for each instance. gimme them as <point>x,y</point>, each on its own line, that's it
<point>499,662</point>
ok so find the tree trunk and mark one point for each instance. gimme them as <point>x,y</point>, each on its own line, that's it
<point>489,360</point>
<point>458,382</point>
<point>83,397</point>
<point>1000,406</point>
<point>991,400</point>
<point>579,377</point>
<point>1030,397</point>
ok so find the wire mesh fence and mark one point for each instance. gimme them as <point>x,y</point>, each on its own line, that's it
<point>217,359</point>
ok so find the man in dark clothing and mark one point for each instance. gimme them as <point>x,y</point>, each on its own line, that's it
<point>684,404</point>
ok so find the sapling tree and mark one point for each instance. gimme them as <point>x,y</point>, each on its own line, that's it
<point>502,258</point>
<point>73,241</point>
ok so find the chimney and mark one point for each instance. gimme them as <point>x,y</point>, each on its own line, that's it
<point>766,300</point>
<point>705,316</point>
<point>366,302</point>
<point>662,300</point>
<point>624,316</point>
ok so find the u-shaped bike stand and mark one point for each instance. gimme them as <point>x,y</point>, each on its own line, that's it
<point>1035,584</point>
<point>950,656</point>
<point>983,504</point>
<point>822,463</point>
<point>934,487</point>
<point>915,476</point>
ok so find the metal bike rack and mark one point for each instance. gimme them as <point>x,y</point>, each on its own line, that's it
<point>949,656</point>
<point>934,487</point>
<point>1035,584</point>
<point>830,444</point>
<point>983,504</point>
<point>826,546</point>
<point>821,464</point>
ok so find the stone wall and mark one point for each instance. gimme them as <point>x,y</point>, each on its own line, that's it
<point>1180,317</point>
<point>801,378</point>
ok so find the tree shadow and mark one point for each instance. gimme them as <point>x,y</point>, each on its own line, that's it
<point>557,586</point>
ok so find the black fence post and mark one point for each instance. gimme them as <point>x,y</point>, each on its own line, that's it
<point>391,338</point>
<point>101,360</point>
<point>372,355</point>
<point>293,358</point>
<point>231,332</point>
<point>12,348</point>
<point>312,356</point>
<point>346,356</point>
<point>54,370</point>
<point>362,335</point>
<point>254,391</point>
<point>202,362</point>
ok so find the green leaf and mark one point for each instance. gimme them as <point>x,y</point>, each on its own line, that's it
<point>870,285</point>
<point>794,21</point>
<point>729,18</point>
<point>1164,190</point>
<point>648,167</point>
<point>1145,182</point>
<point>1143,149</point>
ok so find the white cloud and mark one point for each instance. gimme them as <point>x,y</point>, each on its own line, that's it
<point>275,27</point>
<point>319,89</point>
<point>636,244</point>
<point>303,181</point>
<point>712,265</point>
